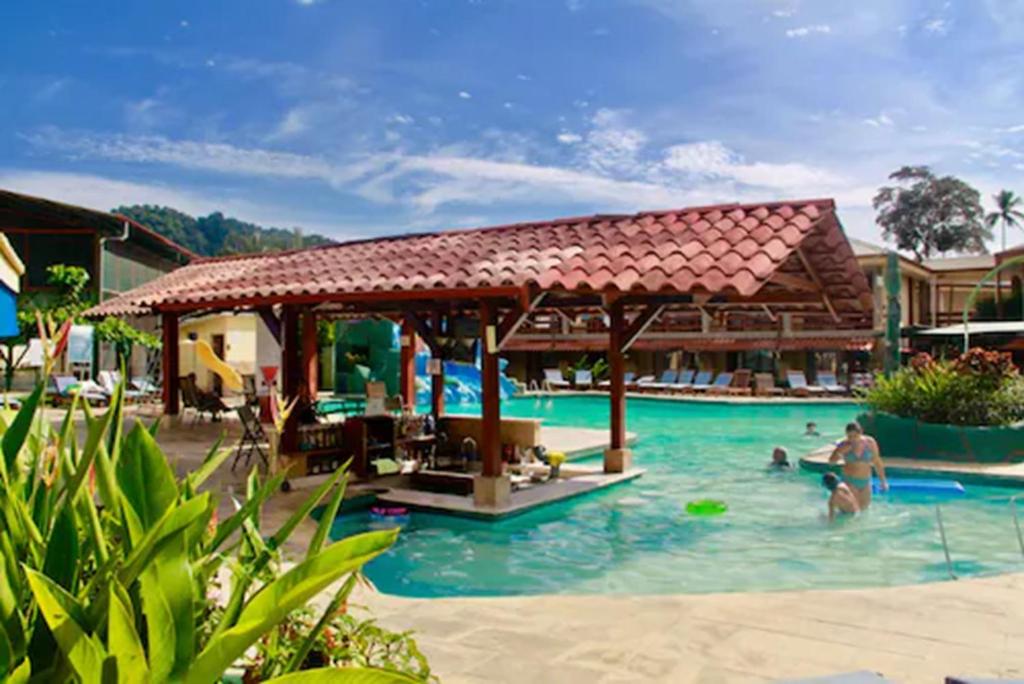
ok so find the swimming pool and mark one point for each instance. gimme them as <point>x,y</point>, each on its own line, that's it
<point>636,538</point>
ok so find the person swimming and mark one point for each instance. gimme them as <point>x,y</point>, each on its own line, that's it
<point>860,455</point>
<point>780,460</point>
<point>812,430</point>
<point>842,500</point>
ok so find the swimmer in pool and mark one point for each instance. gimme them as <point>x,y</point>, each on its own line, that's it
<point>842,500</point>
<point>812,430</point>
<point>860,455</point>
<point>780,460</point>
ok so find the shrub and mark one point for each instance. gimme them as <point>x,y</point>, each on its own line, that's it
<point>106,559</point>
<point>978,388</point>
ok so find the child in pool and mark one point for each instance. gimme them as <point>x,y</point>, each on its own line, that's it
<point>812,430</point>
<point>842,500</point>
<point>780,460</point>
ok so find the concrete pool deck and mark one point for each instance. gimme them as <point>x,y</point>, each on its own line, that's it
<point>696,398</point>
<point>990,474</point>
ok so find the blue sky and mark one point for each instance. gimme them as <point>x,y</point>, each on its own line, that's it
<point>360,118</point>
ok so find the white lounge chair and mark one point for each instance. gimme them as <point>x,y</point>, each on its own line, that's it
<point>627,379</point>
<point>109,380</point>
<point>702,382</point>
<point>640,382</point>
<point>830,384</point>
<point>798,386</point>
<point>553,379</point>
<point>668,378</point>
<point>583,378</point>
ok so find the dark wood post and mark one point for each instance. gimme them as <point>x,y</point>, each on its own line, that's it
<point>616,370</point>
<point>437,381</point>
<point>310,356</point>
<point>290,373</point>
<point>407,366</point>
<point>490,448</point>
<point>171,369</point>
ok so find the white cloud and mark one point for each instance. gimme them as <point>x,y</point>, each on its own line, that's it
<point>804,31</point>
<point>569,138</point>
<point>306,3</point>
<point>783,13</point>
<point>574,5</point>
<point>295,121</point>
<point>403,119</point>
<point>613,147</point>
<point>464,95</point>
<point>879,121</point>
<point>523,77</point>
<point>712,159</point>
<point>937,26</point>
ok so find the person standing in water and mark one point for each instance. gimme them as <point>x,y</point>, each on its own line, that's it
<point>780,460</point>
<point>842,499</point>
<point>860,455</point>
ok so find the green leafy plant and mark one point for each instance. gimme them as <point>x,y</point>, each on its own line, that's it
<point>123,337</point>
<point>106,559</point>
<point>980,387</point>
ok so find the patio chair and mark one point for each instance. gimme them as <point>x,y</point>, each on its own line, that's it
<point>627,380</point>
<point>253,439</point>
<point>65,387</point>
<point>668,377</point>
<point>583,378</point>
<point>201,402</point>
<point>249,390</point>
<point>798,386</point>
<point>109,380</point>
<point>721,384</point>
<point>701,383</point>
<point>150,390</point>
<point>553,379</point>
<point>861,380</point>
<point>683,382</point>
<point>830,384</point>
<point>764,385</point>
<point>740,385</point>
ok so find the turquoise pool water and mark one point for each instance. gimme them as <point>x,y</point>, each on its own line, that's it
<point>636,538</point>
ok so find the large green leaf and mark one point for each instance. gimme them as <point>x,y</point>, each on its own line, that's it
<point>123,641</point>
<point>327,519</point>
<point>328,614</point>
<point>146,479</point>
<point>15,435</point>
<point>214,458</point>
<point>66,618</point>
<point>303,511</point>
<point>62,550</point>
<point>175,521</point>
<point>279,598</point>
<point>10,619</point>
<point>167,594</point>
<point>229,525</point>
<point>344,675</point>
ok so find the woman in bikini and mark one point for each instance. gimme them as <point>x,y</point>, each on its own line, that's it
<point>860,455</point>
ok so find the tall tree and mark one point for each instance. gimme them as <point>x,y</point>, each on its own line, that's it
<point>1007,213</point>
<point>928,214</point>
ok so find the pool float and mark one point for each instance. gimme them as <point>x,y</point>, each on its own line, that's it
<point>915,485</point>
<point>703,508</point>
<point>392,515</point>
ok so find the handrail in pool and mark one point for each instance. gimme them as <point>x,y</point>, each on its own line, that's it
<point>945,545</point>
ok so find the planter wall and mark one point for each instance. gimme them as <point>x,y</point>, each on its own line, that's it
<point>910,438</point>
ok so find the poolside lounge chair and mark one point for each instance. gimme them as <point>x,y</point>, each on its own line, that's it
<point>583,378</point>
<point>63,388</point>
<point>798,386</point>
<point>627,379</point>
<point>640,382</point>
<point>201,402</point>
<point>830,384</point>
<point>553,379</point>
<point>861,380</point>
<point>721,383</point>
<point>683,382</point>
<point>702,382</point>
<point>764,385</point>
<point>109,380</point>
<point>668,378</point>
<point>740,384</point>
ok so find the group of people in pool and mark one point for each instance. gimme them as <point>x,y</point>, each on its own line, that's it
<point>851,493</point>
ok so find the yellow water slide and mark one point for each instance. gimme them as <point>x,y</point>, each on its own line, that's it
<point>207,358</point>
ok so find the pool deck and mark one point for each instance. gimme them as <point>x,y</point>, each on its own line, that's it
<point>991,474</point>
<point>696,398</point>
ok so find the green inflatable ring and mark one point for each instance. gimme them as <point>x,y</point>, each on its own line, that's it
<point>706,507</point>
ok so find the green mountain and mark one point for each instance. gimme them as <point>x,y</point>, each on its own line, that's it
<point>216,234</point>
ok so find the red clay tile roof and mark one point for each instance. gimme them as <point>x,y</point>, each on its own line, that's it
<point>709,250</point>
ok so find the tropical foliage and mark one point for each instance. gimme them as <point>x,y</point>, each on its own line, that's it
<point>1008,212</point>
<point>980,387</point>
<point>122,337</point>
<point>217,234</point>
<point>111,567</point>
<point>927,214</point>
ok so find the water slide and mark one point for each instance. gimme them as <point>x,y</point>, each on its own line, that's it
<point>213,363</point>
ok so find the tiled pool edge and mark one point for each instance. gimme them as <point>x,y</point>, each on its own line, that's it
<point>817,461</point>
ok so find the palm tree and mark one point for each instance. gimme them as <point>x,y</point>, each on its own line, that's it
<point>1008,213</point>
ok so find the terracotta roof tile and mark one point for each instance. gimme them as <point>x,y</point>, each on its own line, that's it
<point>715,249</point>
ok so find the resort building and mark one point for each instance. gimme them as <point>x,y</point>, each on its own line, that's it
<point>117,252</point>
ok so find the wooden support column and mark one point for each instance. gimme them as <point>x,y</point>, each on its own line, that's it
<point>310,357</point>
<point>407,365</point>
<point>291,373</point>
<point>171,368</point>
<point>617,458</point>
<point>491,488</point>
<point>490,447</point>
<point>437,380</point>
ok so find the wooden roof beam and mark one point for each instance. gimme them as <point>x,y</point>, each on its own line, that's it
<point>640,324</point>
<point>514,319</point>
<point>813,273</point>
